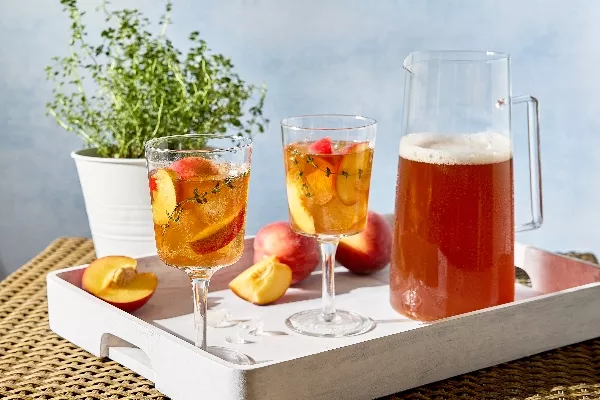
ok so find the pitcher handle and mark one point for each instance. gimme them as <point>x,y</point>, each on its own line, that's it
<point>535,166</point>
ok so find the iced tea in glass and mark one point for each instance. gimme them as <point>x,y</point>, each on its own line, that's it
<point>199,192</point>
<point>328,162</point>
<point>328,193</point>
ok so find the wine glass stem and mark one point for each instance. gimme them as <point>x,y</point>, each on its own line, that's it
<point>328,249</point>
<point>200,292</point>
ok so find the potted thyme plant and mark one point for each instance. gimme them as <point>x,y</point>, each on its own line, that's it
<point>131,86</point>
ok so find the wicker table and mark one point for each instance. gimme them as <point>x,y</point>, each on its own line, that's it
<point>37,364</point>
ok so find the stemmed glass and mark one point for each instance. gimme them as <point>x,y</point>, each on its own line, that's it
<point>328,161</point>
<point>199,193</point>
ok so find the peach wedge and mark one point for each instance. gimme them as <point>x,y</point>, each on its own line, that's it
<point>264,282</point>
<point>191,167</point>
<point>219,234</point>
<point>299,215</point>
<point>355,162</point>
<point>115,280</point>
<point>320,184</point>
<point>164,192</point>
<point>321,146</point>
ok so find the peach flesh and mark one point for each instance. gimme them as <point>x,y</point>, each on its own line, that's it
<point>191,167</point>
<point>165,195</point>
<point>219,235</point>
<point>264,282</point>
<point>115,280</point>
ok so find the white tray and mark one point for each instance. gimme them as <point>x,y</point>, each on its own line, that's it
<point>397,355</point>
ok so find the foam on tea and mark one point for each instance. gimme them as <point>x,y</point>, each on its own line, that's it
<point>456,149</point>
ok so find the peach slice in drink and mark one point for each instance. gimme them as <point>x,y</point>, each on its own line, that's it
<point>321,146</point>
<point>336,217</point>
<point>152,185</point>
<point>348,183</point>
<point>164,192</point>
<point>318,176</point>
<point>171,194</point>
<point>218,235</point>
<point>190,167</point>
<point>298,212</point>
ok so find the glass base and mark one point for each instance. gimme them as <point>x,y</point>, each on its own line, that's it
<point>232,356</point>
<point>345,323</point>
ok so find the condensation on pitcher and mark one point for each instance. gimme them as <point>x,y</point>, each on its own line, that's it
<point>456,149</point>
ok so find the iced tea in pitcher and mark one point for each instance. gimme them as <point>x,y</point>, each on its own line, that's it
<point>454,225</point>
<point>454,228</point>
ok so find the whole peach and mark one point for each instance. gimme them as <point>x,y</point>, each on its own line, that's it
<point>368,251</point>
<point>300,253</point>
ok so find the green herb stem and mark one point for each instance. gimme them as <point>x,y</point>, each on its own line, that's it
<point>139,86</point>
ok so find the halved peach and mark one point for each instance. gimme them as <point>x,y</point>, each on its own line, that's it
<point>115,280</point>
<point>264,282</point>
<point>321,146</point>
<point>351,171</point>
<point>218,235</point>
<point>164,195</point>
<point>190,167</point>
<point>299,215</point>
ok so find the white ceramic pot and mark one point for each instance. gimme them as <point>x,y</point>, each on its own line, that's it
<point>117,201</point>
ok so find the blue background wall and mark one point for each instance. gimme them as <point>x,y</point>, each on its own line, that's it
<point>318,56</point>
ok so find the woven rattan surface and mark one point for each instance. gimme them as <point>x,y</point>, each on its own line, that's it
<point>37,364</point>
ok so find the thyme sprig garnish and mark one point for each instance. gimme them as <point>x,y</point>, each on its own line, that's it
<point>201,198</point>
<point>310,160</point>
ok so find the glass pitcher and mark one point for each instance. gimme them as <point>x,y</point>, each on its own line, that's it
<point>454,226</point>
